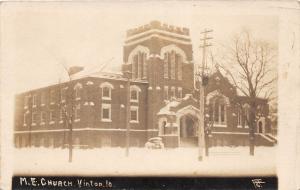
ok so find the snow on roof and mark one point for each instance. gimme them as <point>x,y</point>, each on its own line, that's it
<point>189,96</point>
<point>106,74</point>
<point>100,74</point>
<point>166,109</point>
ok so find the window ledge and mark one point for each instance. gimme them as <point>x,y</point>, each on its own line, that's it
<point>63,101</point>
<point>239,126</point>
<point>33,124</point>
<point>51,122</point>
<point>134,121</point>
<point>171,126</point>
<point>246,126</point>
<point>61,121</point>
<point>34,106</point>
<point>24,125</point>
<point>25,107</point>
<point>52,103</point>
<point>106,98</point>
<point>220,125</point>
<point>42,104</point>
<point>78,99</point>
<point>76,120</point>
<point>135,101</point>
<point>106,120</point>
<point>42,123</point>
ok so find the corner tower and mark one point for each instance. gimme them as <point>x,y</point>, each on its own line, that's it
<point>161,55</point>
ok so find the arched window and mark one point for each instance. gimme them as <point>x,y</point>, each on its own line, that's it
<point>173,61</point>
<point>106,90</point>
<point>106,93</point>
<point>138,60</point>
<point>134,93</point>
<point>139,66</point>
<point>217,111</point>
<point>172,65</point>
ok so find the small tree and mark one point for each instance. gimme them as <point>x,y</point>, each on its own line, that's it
<point>251,69</point>
<point>67,108</point>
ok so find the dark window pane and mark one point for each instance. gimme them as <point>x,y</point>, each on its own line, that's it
<point>105,113</point>
<point>222,113</point>
<point>216,111</point>
<point>133,115</point>
<point>106,91</point>
<point>133,95</point>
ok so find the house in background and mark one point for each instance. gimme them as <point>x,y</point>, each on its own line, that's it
<point>163,101</point>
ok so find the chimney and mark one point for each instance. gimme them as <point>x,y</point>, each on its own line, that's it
<point>75,69</point>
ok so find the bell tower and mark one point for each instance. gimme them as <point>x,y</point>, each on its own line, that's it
<point>161,55</point>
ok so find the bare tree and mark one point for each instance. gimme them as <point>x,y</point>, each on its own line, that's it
<point>250,67</point>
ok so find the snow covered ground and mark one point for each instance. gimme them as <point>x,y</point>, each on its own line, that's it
<point>112,161</point>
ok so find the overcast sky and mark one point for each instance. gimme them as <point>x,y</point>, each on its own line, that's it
<point>37,37</point>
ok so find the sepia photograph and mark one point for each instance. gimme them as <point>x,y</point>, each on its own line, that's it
<point>139,89</point>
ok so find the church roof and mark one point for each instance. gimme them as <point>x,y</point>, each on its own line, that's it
<point>173,106</point>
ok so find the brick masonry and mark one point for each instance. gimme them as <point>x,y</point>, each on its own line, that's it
<point>90,130</point>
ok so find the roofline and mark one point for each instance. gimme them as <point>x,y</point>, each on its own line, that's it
<point>81,78</point>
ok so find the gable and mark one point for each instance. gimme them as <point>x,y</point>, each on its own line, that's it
<point>220,83</point>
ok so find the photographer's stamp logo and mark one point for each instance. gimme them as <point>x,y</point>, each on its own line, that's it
<point>258,183</point>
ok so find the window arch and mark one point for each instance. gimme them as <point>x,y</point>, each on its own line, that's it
<point>138,60</point>
<point>173,61</point>
<point>175,48</point>
<point>106,90</point>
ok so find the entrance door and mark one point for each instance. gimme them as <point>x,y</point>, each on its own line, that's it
<point>188,125</point>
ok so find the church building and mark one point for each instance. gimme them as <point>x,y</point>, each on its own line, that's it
<point>155,91</point>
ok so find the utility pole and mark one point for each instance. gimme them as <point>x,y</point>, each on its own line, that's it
<point>203,81</point>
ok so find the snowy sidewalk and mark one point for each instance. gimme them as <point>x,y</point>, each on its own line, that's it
<point>112,161</point>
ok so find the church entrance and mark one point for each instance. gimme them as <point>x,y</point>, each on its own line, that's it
<point>188,131</point>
